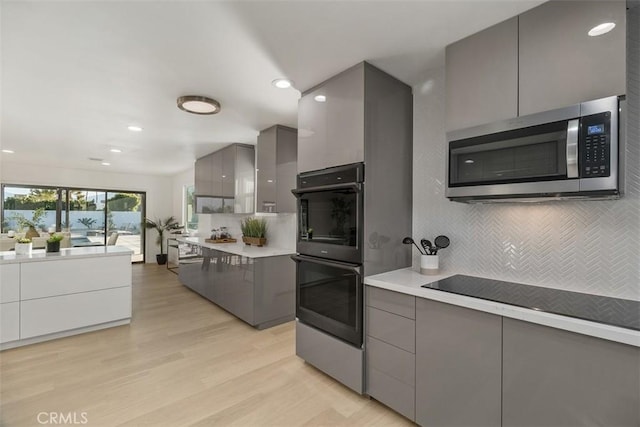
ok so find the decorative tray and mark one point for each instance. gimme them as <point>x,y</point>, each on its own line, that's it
<point>229,240</point>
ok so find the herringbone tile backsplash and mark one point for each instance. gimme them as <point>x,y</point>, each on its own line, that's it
<point>584,246</point>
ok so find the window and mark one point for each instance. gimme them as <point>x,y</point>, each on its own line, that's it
<point>190,218</point>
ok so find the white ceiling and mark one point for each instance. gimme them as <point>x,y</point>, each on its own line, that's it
<point>76,74</point>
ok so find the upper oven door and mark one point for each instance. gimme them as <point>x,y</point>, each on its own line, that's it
<point>330,218</point>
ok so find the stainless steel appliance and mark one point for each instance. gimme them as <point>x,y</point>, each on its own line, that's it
<point>330,213</point>
<point>572,152</point>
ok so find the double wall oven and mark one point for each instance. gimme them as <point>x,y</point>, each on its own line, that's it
<point>329,294</point>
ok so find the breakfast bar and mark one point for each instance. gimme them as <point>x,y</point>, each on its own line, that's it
<point>45,295</point>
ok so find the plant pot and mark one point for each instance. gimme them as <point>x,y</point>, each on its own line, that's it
<point>256,241</point>
<point>24,248</point>
<point>31,233</point>
<point>161,259</point>
<point>53,246</point>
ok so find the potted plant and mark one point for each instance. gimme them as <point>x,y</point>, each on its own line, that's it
<point>161,226</point>
<point>53,242</point>
<point>23,246</point>
<point>254,231</point>
<point>32,224</point>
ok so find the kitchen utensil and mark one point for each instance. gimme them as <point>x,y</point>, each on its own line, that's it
<point>409,240</point>
<point>441,243</point>
<point>426,245</point>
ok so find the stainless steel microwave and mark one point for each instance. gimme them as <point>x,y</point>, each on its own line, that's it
<point>572,152</point>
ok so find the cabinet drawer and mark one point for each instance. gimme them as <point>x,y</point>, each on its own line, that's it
<point>393,302</point>
<point>393,361</point>
<point>392,329</point>
<point>49,315</point>
<point>395,394</point>
<point>9,283</point>
<point>9,321</point>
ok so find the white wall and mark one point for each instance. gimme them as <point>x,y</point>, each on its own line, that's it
<point>179,181</point>
<point>584,246</point>
<point>157,187</point>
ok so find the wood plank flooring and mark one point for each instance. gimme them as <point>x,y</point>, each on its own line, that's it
<point>182,361</point>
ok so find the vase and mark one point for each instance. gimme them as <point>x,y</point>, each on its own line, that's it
<point>53,246</point>
<point>24,248</point>
<point>161,259</point>
<point>257,241</point>
<point>429,264</point>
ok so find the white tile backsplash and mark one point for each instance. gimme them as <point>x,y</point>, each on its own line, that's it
<point>584,246</point>
<point>281,231</point>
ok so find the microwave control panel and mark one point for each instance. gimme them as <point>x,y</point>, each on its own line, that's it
<point>595,145</point>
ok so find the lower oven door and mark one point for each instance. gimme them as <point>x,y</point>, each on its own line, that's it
<point>329,297</point>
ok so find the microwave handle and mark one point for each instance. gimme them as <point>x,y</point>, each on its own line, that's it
<point>572,148</point>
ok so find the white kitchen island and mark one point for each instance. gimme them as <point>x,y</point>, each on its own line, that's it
<point>45,296</point>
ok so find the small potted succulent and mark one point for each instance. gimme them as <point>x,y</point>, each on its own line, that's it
<point>254,231</point>
<point>23,246</point>
<point>53,242</point>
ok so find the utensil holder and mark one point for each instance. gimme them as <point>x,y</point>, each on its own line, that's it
<point>429,264</point>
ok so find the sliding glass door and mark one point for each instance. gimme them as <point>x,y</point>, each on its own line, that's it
<point>92,217</point>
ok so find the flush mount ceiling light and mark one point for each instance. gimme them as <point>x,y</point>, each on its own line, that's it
<point>198,104</point>
<point>134,128</point>
<point>601,29</point>
<point>320,98</point>
<point>282,83</point>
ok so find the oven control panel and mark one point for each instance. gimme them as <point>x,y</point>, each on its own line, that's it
<point>595,145</point>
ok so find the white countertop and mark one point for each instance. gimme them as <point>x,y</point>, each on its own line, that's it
<point>10,257</point>
<point>408,281</point>
<point>239,248</point>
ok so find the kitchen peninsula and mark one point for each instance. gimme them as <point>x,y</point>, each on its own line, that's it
<point>256,284</point>
<point>52,295</point>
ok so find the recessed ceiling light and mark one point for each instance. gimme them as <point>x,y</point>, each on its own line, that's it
<point>8,151</point>
<point>320,98</point>
<point>198,104</point>
<point>106,164</point>
<point>282,83</point>
<point>601,29</point>
<point>134,128</point>
<point>116,150</point>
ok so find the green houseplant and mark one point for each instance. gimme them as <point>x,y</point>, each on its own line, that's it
<point>31,225</point>
<point>254,231</point>
<point>161,226</point>
<point>23,246</point>
<point>53,242</point>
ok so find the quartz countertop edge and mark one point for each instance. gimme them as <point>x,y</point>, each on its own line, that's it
<point>239,248</point>
<point>37,255</point>
<point>408,281</point>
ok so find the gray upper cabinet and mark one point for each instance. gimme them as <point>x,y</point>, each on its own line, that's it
<point>482,77</point>
<point>560,64</point>
<point>331,122</point>
<point>276,169</point>
<point>228,174</point>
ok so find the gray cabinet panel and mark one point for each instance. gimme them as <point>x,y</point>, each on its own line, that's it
<point>312,132</point>
<point>203,183</point>
<point>458,366</point>
<point>553,377</point>
<point>393,302</point>
<point>274,292</point>
<point>393,361</point>
<point>482,77</point>
<point>266,170</point>
<point>277,153</point>
<point>391,328</point>
<point>244,174</point>
<point>388,390</point>
<point>560,64</point>
<point>228,171</point>
<point>216,173</point>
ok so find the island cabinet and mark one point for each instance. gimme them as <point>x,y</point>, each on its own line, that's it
<point>553,377</point>
<point>9,302</point>
<point>458,366</point>
<point>390,349</point>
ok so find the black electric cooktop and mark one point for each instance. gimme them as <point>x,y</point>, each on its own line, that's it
<point>610,311</point>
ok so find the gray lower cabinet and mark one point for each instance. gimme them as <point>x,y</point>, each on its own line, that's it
<point>553,377</point>
<point>260,291</point>
<point>389,349</point>
<point>458,366</point>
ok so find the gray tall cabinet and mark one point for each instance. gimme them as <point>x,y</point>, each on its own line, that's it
<point>276,169</point>
<point>540,60</point>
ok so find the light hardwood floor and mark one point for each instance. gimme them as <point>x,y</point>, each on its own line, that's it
<point>182,361</point>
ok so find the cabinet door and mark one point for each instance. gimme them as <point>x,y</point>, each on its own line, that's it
<point>228,172</point>
<point>245,176</point>
<point>266,170</point>
<point>203,184</point>
<point>312,131</point>
<point>9,283</point>
<point>560,64</point>
<point>286,169</point>
<point>482,77</point>
<point>216,173</point>
<point>553,377</point>
<point>9,321</point>
<point>458,366</point>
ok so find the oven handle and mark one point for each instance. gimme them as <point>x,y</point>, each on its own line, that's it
<point>337,264</point>
<point>355,186</point>
<point>572,148</point>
